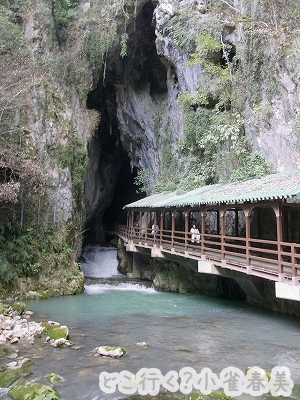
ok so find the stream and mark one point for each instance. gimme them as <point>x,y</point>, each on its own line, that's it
<point>180,330</point>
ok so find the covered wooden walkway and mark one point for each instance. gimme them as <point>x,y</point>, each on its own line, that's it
<point>252,227</point>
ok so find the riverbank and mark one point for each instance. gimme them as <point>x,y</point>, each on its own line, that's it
<point>17,329</point>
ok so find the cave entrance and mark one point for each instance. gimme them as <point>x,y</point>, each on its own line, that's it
<point>125,192</point>
<point>121,144</point>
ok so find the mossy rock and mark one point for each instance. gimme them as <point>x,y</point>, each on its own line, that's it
<point>43,294</point>
<point>110,348</point>
<point>19,307</point>
<point>4,351</point>
<point>294,396</point>
<point>4,308</point>
<point>33,391</point>
<point>55,332</point>
<point>160,396</point>
<point>32,295</point>
<point>9,376</point>
<point>108,351</point>
<point>54,378</point>
<point>37,295</point>
<point>214,395</point>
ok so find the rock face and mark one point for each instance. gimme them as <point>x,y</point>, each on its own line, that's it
<point>174,277</point>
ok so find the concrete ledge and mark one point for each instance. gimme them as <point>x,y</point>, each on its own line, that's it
<point>206,267</point>
<point>286,291</point>
<point>133,275</point>
<point>131,247</point>
<point>156,252</point>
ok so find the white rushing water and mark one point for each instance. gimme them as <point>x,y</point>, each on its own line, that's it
<point>100,267</point>
<point>99,262</point>
<point>101,287</point>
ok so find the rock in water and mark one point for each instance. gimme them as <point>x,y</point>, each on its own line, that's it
<point>114,352</point>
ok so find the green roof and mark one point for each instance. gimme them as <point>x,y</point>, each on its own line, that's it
<point>271,187</point>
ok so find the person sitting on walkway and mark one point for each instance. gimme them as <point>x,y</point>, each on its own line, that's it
<point>155,230</point>
<point>195,234</point>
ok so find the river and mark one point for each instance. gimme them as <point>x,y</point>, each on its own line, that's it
<point>181,331</point>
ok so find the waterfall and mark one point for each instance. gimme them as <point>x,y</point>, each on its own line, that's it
<point>99,262</point>
<point>100,268</point>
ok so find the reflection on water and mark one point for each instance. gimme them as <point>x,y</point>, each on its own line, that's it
<point>181,330</point>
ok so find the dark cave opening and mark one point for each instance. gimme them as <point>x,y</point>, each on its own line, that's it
<point>113,166</point>
<point>125,192</point>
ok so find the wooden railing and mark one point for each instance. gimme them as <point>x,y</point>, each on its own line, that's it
<point>270,259</point>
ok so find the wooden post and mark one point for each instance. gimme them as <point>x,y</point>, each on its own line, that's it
<point>247,212</point>
<point>131,230</point>
<point>186,230</point>
<point>146,227</point>
<point>161,227</point>
<point>154,223</point>
<point>202,231</point>
<point>173,229</point>
<point>278,212</point>
<point>140,225</point>
<point>222,217</point>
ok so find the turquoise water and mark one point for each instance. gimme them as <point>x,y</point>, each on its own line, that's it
<point>181,330</point>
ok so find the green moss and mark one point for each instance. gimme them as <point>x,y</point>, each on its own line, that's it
<point>4,308</point>
<point>4,351</point>
<point>19,307</point>
<point>33,391</point>
<point>53,378</point>
<point>294,396</point>
<point>110,348</point>
<point>55,332</point>
<point>214,395</point>
<point>43,294</point>
<point>9,376</point>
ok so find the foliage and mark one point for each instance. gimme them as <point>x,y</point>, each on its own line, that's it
<point>54,332</point>
<point>98,42</point>
<point>124,39</point>
<point>181,28</point>
<point>33,391</point>
<point>194,99</point>
<point>23,253</point>
<point>63,11</point>
<point>145,181</point>
<point>213,149</point>
<point>19,307</point>
<point>74,156</point>
<point>185,27</point>
<point>17,168</point>
<point>15,76</point>
<point>9,376</point>
<point>214,395</point>
<point>217,80</point>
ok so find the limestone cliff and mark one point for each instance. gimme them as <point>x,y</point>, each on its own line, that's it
<point>181,92</point>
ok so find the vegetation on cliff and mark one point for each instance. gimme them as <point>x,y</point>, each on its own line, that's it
<point>244,51</point>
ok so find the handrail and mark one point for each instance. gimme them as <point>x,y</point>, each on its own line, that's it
<point>260,253</point>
